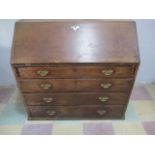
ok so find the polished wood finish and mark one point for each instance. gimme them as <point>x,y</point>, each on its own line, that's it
<point>58,42</point>
<point>75,85</point>
<point>76,112</point>
<point>75,98</point>
<point>75,69</point>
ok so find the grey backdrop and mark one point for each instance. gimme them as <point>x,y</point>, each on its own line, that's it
<point>146,39</point>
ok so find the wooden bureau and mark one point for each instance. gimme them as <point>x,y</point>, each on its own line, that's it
<point>75,69</point>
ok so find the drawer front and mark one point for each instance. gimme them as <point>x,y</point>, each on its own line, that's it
<point>77,72</point>
<point>76,99</point>
<point>75,85</point>
<point>76,112</point>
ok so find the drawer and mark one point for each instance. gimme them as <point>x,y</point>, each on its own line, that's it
<point>76,99</point>
<point>75,85</point>
<point>76,112</point>
<point>77,71</point>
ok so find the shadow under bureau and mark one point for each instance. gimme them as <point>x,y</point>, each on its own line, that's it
<point>75,69</point>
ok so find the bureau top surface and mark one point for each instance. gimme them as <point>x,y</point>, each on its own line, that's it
<point>74,41</point>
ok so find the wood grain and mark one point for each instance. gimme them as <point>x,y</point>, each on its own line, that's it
<point>75,85</point>
<point>78,112</point>
<point>77,71</point>
<point>57,42</point>
<point>76,99</point>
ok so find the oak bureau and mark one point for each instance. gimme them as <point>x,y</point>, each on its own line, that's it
<point>75,69</point>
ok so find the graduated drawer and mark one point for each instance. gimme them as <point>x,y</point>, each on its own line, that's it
<point>77,71</point>
<point>78,85</point>
<point>76,98</point>
<point>76,112</point>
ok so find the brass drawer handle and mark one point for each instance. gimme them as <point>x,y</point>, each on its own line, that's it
<point>51,113</point>
<point>103,98</point>
<point>105,85</point>
<point>45,86</point>
<point>101,112</point>
<point>42,72</point>
<point>107,72</point>
<point>48,99</point>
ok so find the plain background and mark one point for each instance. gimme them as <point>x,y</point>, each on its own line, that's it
<point>146,39</point>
